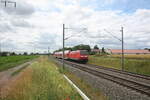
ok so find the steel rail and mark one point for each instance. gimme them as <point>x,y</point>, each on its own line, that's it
<point>134,85</point>
<point>122,72</point>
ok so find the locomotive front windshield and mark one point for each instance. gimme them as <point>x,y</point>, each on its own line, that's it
<point>84,52</point>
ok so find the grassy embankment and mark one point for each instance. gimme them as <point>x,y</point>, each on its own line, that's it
<point>41,81</point>
<point>92,93</point>
<point>133,63</point>
<point>12,61</point>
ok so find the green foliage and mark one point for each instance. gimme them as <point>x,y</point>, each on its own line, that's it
<point>25,53</point>
<point>78,47</point>
<point>140,66</point>
<point>147,49</point>
<point>82,47</point>
<point>4,53</point>
<point>49,84</point>
<point>92,53</point>
<point>42,81</point>
<point>103,50</point>
<point>96,47</point>
<point>13,54</point>
<point>7,53</point>
<point>66,48</point>
<point>12,61</point>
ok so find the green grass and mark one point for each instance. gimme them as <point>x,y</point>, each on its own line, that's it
<point>141,66</point>
<point>92,93</point>
<point>12,61</point>
<point>41,81</point>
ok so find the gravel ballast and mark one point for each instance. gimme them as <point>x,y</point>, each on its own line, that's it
<point>111,90</point>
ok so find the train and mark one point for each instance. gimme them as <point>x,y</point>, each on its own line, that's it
<point>78,55</point>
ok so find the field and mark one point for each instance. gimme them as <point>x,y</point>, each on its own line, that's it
<point>12,61</point>
<point>40,81</point>
<point>132,56</point>
<point>133,63</point>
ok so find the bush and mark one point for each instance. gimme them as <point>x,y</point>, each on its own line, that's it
<point>4,53</point>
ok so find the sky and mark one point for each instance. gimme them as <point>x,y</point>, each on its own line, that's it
<point>35,25</point>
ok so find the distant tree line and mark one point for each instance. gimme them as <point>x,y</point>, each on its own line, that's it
<point>14,54</point>
<point>92,51</point>
<point>83,47</point>
<point>78,47</point>
<point>7,53</point>
<point>147,49</point>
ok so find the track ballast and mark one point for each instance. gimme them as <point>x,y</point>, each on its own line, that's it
<point>140,83</point>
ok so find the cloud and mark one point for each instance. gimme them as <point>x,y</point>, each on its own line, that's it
<point>37,25</point>
<point>5,28</point>
<point>23,8</point>
<point>20,23</point>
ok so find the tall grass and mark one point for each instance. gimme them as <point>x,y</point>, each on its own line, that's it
<point>12,61</point>
<point>141,66</point>
<point>41,81</point>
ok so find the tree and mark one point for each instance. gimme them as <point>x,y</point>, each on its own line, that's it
<point>31,53</point>
<point>13,54</point>
<point>96,47</point>
<point>66,48</point>
<point>36,53</point>
<point>103,50</point>
<point>146,49</point>
<point>82,47</point>
<point>4,53</point>
<point>25,53</point>
<point>77,47</point>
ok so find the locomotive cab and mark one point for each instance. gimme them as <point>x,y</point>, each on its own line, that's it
<point>79,55</point>
<point>84,56</point>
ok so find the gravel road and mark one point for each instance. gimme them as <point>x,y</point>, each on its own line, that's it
<point>6,76</point>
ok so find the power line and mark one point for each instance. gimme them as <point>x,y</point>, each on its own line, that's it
<point>122,42</point>
<point>5,3</point>
<point>112,35</point>
<point>122,61</point>
<point>64,28</point>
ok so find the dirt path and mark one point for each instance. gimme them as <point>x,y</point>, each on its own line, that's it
<point>6,76</point>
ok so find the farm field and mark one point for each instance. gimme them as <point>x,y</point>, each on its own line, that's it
<point>133,56</point>
<point>133,63</point>
<point>12,61</point>
<point>40,81</point>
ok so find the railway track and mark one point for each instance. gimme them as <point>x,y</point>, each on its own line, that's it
<point>140,83</point>
<point>122,72</point>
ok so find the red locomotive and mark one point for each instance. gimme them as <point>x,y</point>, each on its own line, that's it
<point>78,55</point>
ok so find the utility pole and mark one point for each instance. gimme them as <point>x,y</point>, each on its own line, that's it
<point>122,42</point>
<point>48,51</point>
<point>0,48</point>
<point>63,44</point>
<point>5,3</point>
<point>122,58</point>
<point>63,56</point>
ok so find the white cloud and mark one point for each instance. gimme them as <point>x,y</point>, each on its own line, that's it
<point>39,25</point>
